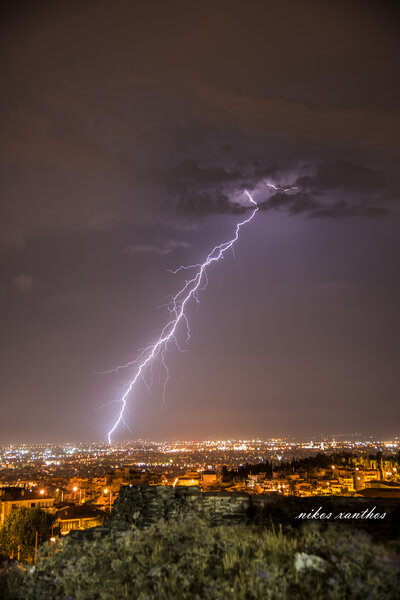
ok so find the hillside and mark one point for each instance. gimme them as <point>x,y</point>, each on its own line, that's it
<point>183,555</point>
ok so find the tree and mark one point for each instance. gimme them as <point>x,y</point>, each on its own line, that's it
<point>18,534</point>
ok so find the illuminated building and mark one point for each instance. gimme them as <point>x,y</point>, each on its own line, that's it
<point>79,517</point>
<point>17,498</point>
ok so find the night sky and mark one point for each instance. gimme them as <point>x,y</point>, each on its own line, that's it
<point>129,132</point>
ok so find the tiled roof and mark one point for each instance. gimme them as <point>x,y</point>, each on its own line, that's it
<point>79,512</point>
<point>27,496</point>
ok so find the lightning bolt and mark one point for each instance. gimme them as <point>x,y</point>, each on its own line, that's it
<point>177,308</point>
<point>279,188</point>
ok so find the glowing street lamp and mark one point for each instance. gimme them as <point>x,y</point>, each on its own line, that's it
<point>75,489</point>
<point>106,491</point>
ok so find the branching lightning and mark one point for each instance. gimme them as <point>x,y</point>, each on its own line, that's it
<point>177,308</point>
<point>278,188</point>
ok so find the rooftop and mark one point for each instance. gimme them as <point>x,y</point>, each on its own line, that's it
<point>85,511</point>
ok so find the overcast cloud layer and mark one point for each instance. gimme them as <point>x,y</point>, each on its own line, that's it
<point>129,135</point>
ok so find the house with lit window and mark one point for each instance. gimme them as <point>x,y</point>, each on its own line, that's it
<point>82,516</point>
<point>17,498</point>
<point>190,478</point>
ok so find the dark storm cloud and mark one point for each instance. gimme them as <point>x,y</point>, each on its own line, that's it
<point>79,125</point>
<point>197,204</point>
<point>342,174</point>
<point>294,203</point>
<point>199,191</point>
<point>342,209</point>
<point>109,129</point>
<point>312,206</point>
<point>338,189</point>
<point>310,123</point>
<point>129,133</point>
<point>334,189</point>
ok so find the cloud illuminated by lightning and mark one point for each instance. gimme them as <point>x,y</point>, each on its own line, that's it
<point>178,315</point>
<point>278,188</point>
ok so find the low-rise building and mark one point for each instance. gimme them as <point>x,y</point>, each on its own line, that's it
<point>347,484</point>
<point>15,499</point>
<point>79,517</point>
<point>209,478</point>
<point>190,478</point>
<point>380,489</point>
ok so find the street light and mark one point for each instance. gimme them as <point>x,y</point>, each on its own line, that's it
<point>106,492</point>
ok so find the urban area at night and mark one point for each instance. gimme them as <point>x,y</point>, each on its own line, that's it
<point>199,300</point>
<point>83,480</point>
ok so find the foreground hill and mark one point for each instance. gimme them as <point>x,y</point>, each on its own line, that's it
<point>166,544</point>
<point>190,560</point>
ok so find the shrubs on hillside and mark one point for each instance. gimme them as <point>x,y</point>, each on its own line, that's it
<point>190,560</point>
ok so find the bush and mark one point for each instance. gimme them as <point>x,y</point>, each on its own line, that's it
<point>189,559</point>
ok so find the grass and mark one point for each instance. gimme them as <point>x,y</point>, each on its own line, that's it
<point>189,559</point>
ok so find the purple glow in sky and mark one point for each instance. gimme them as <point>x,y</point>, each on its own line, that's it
<point>129,135</point>
<point>178,311</point>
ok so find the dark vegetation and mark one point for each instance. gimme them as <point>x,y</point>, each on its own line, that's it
<point>18,534</point>
<point>180,545</point>
<point>188,559</point>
